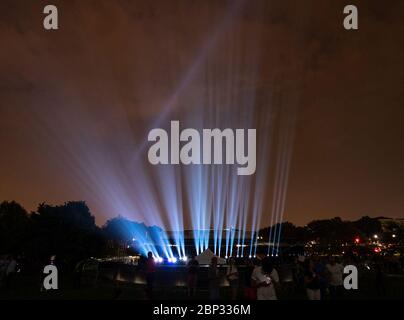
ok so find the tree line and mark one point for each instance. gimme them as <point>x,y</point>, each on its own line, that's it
<point>69,230</point>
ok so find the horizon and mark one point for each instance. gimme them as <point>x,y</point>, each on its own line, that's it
<point>100,225</point>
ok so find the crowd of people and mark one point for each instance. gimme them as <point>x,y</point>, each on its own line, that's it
<point>266,278</point>
<point>320,277</point>
<point>317,278</point>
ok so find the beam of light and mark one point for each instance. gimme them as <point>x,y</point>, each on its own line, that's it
<point>245,209</point>
<point>278,196</point>
<point>289,139</point>
<point>170,191</point>
<point>145,198</point>
<point>200,202</point>
<point>233,211</point>
<point>260,185</point>
<point>204,51</point>
<point>285,147</point>
<point>219,203</point>
<point>285,143</point>
<point>101,169</point>
<point>109,167</point>
<point>275,202</point>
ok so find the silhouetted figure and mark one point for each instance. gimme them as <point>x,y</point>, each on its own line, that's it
<point>312,281</point>
<point>3,267</point>
<point>232,277</point>
<point>150,274</point>
<point>250,292</point>
<point>192,280</point>
<point>214,280</point>
<point>298,274</point>
<point>320,270</point>
<point>78,272</point>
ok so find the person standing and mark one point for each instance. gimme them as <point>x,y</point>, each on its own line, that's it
<point>150,274</point>
<point>335,271</point>
<point>321,271</point>
<point>192,280</point>
<point>250,292</point>
<point>214,280</point>
<point>232,277</point>
<point>312,282</point>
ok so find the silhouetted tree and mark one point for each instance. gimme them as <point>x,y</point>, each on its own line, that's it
<point>67,230</point>
<point>122,232</point>
<point>288,232</point>
<point>368,226</point>
<point>14,227</point>
<point>122,229</point>
<point>332,231</point>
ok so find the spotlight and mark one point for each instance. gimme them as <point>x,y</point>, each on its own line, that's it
<point>250,256</point>
<point>158,259</point>
<point>184,258</point>
<point>172,260</point>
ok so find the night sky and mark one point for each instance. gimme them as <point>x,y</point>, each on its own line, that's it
<point>114,66</point>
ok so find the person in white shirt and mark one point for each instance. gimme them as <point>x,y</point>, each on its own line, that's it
<point>335,272</point>
<point>266,279</point>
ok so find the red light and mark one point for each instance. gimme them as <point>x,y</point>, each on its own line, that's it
<point>377,250</point>
<point>357,240</point>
